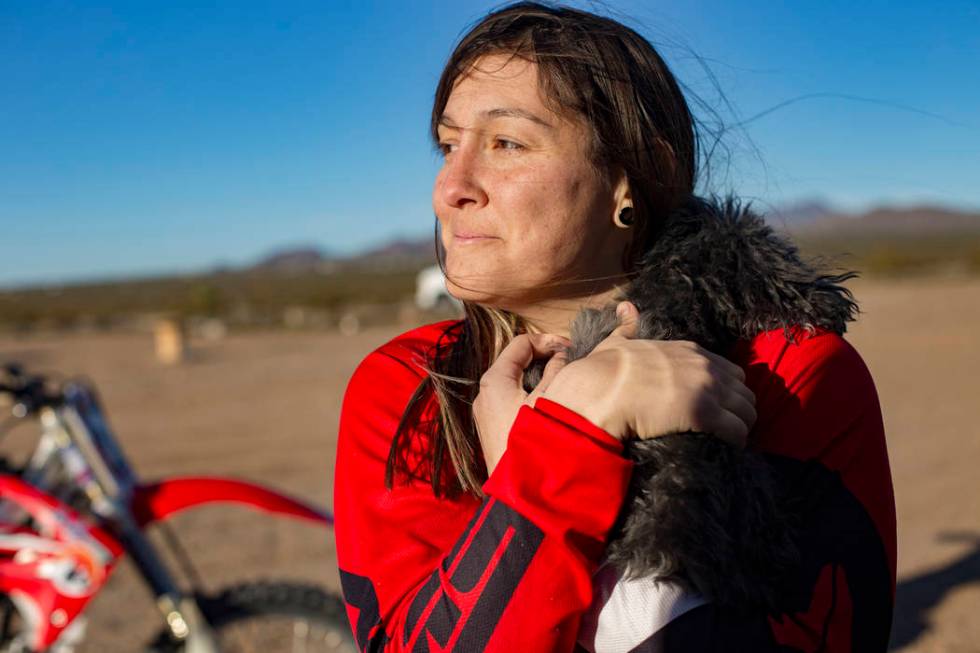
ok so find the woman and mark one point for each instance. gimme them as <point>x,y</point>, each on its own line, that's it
<point>470,514</point>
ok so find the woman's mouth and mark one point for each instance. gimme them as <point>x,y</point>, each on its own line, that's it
<point>465,239</point>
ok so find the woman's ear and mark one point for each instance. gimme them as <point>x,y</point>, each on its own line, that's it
<point>622,203</point>
<point>621,191</point>
<point>623,216</point>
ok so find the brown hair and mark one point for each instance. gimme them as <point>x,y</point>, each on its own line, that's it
<point>599,71</point>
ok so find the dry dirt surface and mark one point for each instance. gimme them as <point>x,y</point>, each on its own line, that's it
<point>266,407</point>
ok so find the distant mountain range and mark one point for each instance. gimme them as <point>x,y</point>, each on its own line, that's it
<point>891,222</point>
<point>301,259</point>
<point>305,259</point>
<point>812,218</point>
<point>800,213</point>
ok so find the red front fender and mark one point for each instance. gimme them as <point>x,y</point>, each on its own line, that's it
<point>159,500</point>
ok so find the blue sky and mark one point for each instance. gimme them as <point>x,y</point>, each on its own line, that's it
<point>140,137</point>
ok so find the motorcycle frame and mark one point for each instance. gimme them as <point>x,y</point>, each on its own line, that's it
<point>77,451</point>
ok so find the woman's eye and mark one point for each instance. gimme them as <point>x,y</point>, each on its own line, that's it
<point>446,148</point>
<point>509,145</point>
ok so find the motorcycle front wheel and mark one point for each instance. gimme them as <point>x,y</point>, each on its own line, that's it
<point>273,617</point>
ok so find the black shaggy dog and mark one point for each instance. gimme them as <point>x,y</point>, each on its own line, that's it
<point>700,511</point>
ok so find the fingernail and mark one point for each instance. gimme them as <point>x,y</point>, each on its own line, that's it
<point>621,309</point>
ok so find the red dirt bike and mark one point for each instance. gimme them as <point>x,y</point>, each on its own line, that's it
<point>76,506</point>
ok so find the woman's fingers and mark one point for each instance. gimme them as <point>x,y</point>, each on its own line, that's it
<point>518,354</point>
<point>734,414</point>
<point>725,365</point>
<point>629,318</point>
<point>735,403</point>
<point>743,391</point>
<point>735,384</point>
<point>502,391</point>
<point>731,374</point>
<point>551,368</point>
<point>729,427</point>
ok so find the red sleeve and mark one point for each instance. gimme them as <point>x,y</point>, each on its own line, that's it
<point>509,573</point>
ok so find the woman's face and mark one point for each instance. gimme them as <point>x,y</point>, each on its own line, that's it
<point>519,204</point>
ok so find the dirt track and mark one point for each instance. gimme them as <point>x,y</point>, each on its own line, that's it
<point>266,406</point>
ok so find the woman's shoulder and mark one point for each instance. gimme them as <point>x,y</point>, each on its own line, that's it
<point>815,385</point>
<point>418,341</point>
<point>391,372</point>
<point>801,356</point>
<point>379,391</point>
<point>411,349</point>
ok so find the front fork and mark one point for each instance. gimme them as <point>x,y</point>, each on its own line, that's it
<point>185,621</point>
<point>105,488</point>
<point>188,625</point>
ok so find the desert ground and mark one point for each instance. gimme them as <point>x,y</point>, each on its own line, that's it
<point>265,406</point>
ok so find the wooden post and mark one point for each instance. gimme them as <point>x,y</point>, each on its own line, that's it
<point>171,347</point>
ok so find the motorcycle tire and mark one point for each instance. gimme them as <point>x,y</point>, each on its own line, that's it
<point>272,616</point>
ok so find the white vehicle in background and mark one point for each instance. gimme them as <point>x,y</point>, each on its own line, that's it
<point>431,293</point>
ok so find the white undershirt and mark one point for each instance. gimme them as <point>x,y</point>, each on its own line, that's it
<point>624,613</point>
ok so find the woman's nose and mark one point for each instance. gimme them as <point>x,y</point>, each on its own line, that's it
<point>461,181</point>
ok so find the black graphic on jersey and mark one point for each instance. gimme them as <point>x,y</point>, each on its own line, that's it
<point>359,592</point>
<point>497,556</point>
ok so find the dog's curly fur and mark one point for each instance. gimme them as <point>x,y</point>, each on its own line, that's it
<point>700,511</point>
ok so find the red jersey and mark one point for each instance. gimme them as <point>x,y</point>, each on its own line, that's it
<point>513,571</point>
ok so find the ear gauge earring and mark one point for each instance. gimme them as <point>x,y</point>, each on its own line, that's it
<point>624,219</point>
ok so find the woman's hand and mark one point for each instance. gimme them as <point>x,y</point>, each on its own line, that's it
<point>642,388</point>
<point>502,390</point>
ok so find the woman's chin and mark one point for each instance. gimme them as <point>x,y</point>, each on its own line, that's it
<point>470,296</point>
<point>474,291</point>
